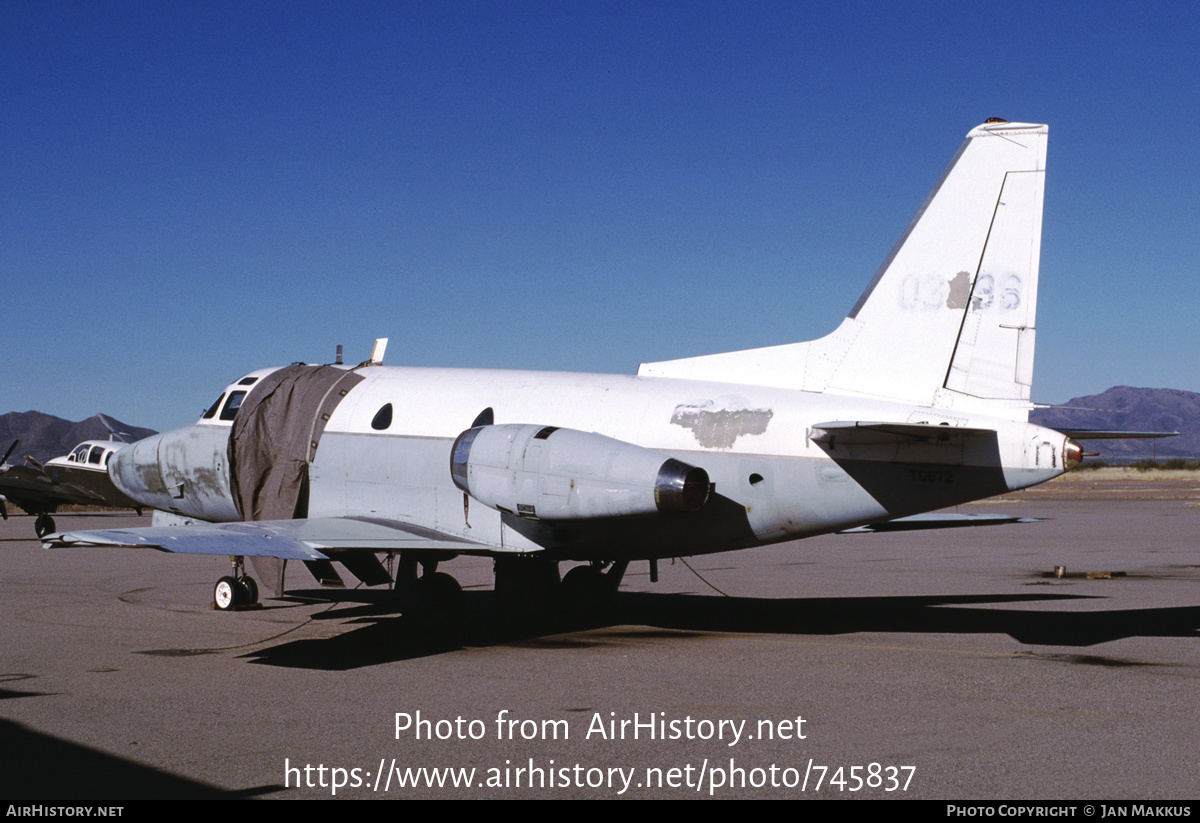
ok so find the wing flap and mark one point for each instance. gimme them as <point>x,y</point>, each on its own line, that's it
<point>365,566</point>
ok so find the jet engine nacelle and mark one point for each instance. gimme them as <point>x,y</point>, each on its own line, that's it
<point>550,473</point>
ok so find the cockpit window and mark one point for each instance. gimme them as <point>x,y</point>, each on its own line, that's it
<point>79,455</point>
<point>97,453</point>
<point>232,405</point>
<point>212,410</point>
<point>247,381</point>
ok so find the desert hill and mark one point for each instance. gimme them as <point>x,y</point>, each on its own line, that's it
<point>44,436</point>
<point>1124,408</point>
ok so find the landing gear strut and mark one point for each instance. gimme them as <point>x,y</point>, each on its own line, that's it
<point>237,591</point>
<point>44,525</point>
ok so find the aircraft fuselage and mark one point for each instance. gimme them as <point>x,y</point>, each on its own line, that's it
<point>775,475</point>
<point>917,401</point>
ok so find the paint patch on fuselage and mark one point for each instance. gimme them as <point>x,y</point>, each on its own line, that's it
<point>716,424</point>
<point>959,291</point>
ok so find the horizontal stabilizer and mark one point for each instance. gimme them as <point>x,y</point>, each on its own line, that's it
<point>285,539</point>
<point>1093,434</point>
<point>935,520</point>
<point>862,432</point>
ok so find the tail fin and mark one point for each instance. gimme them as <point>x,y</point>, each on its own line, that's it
<point>950,313</point>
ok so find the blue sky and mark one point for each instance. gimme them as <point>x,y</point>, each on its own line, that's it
<point>194,190</point>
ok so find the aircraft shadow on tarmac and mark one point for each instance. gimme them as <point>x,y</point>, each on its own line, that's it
<point>42,766</point>
<point>383,635</point>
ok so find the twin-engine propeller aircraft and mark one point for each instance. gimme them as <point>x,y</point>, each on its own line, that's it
<point>919,400</point>
<point>80,477</point>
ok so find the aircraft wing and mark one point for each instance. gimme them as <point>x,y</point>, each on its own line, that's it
<point>27,484</point>
<point>21,483</point>
<point>311,539</point>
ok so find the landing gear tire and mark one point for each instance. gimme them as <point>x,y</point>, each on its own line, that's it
<point>585,593</point>
<point>44,525</point>
<point>248,590</point>
<point>526,588</point>
<point>439,599</point>
<point>232,593</point>
<point>440,586</point>
<point>583,578</point>
<point>434,600</point>
<point>225,594</point>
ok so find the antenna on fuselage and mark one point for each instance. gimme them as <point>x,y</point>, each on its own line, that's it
<point>338,361</point>
<point>377,352</point>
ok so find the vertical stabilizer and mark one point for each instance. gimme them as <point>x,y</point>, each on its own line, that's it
<point>950,313</point>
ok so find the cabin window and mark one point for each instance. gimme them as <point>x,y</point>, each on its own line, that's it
<point>232,405</point>
<point>212,410</point>
<point>383,418</point>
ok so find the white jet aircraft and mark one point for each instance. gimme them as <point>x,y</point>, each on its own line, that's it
<point>919,400</point>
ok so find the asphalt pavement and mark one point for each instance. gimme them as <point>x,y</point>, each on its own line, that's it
<point>943,664</point>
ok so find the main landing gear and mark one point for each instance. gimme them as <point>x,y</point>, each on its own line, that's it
<point>527,589</point>
<point>587,590</point>
<point>44,525</point>
<point>238,591</point>
<point>433,597</point>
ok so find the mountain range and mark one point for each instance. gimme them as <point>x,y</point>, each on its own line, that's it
<point>44,436</point>
<point>1124,408</point>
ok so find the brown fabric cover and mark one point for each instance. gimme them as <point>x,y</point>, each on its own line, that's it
<point>275,437</point>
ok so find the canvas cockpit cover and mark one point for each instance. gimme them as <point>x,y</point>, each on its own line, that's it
<point>275,437</point>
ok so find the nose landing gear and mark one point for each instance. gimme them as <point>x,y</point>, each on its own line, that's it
<point>238,591</point>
